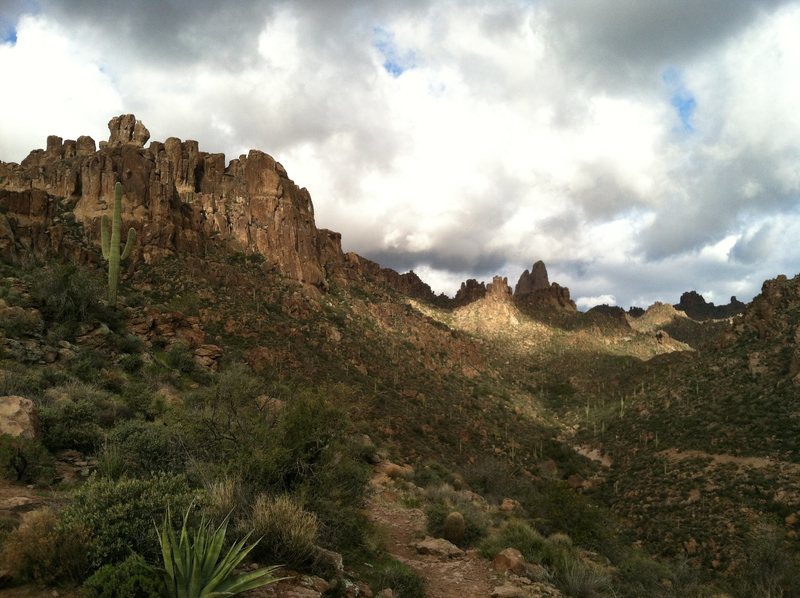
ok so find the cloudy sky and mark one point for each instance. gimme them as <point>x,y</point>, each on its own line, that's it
<point>640,148</point>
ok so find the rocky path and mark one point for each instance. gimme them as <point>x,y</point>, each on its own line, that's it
<point>463,576</point>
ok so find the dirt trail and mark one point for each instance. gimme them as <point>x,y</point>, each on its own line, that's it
<point>468,576</point>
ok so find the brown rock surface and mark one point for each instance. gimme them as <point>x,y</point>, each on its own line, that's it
<point>438,547</point>
<point>511,560</point>
<point>176,197</point>
<point>532,281</point>
<point>18,416</point>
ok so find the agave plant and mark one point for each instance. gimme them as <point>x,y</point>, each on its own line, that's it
<point>195,568</point>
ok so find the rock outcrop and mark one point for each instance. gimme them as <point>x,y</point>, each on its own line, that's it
<point>179,199</point>
<point>498,289</point>
<point>535,292</point>
<point>471,290</point>
<point>696,307</point>
<point>532,281</point>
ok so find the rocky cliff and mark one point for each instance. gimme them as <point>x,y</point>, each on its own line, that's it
<point>696,307</point>
<point>179,199</point>
<point>535,291</point>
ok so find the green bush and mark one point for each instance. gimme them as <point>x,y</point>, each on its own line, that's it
<point>146,447</point>
<point>25,460</point>
<point>68,295</point>
<point>180,357</point>
<point>518,534</point>
<point>17,322</point>
<point>120,513</point>
<point>71,425</point>
<point>580,579</point>
<point>47,549</point>
<point>288,532</point>
<point>132,578</point>
<point>402,579</point>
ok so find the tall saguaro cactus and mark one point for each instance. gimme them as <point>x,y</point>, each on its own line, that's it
<point>110,247</point>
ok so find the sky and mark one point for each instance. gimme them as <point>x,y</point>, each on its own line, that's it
<point>640,148</point>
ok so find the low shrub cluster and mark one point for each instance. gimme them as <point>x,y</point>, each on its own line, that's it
<point>288,532</point>
<point>47,549</point>
<point>119,514</point>
<point>25,460</point>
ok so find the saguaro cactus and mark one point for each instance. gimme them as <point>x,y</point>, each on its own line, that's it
<point>110,246</point>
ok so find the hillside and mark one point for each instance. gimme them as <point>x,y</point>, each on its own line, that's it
<point>249,360</point>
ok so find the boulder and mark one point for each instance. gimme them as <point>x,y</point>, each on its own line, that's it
<point>511,560</point>
<point>438,547</point>
<point>18,417</point>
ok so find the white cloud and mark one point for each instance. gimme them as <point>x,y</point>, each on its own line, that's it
<point>585,303</point>
<point>466,139</point>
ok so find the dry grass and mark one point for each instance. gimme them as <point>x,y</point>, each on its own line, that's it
<point>288,532</point>
<point>42,549</point>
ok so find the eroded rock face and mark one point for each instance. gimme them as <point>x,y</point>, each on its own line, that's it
<point>532,281</point>
<point>471,290</point>
<point>176,197</point>
<point>498,289</point>
<point>534,290</point>
<point>696,307</point>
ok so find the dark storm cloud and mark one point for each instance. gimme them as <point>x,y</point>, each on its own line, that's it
<point>720,199</point>
<point>616,42</point>
<point>175,33</point>
<point>756,246</point>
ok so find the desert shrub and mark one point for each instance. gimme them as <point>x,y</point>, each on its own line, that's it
<point>141,400</point>
<point>17,322</point>
<point>402,579</point>
<point>580,579</point>
<point>110,462</point>
<point>47,549</point>
<point>180,357</point>
<point>224,497</point>
<point>25,460</point>
<point>336,494</point>
<point>71,424</point>
<point>69,295</point>
<point>131,363</point>
<point>430,474</point>
<point>518,534</point>
<point>8,524</point>
<point>641,575</point>
<point>146,447</point>
<point>132,578</point>
<point>771,569</point>
<point>476,522</point>
<point>493,478</point>
<point>88,365</point>
<point>120,513</point>
<point>288,532</point>
<point>561,509</point>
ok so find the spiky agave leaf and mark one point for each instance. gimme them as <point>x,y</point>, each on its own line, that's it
<point>192,564</point>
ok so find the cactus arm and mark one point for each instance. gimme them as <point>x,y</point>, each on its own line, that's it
<point>129,243</point>
<point>116,222</point>
<point>105,241</point>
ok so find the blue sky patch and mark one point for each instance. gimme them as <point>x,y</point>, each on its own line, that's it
<point>8,33</point>
<point>395,62</point>
<point>681,98</point>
